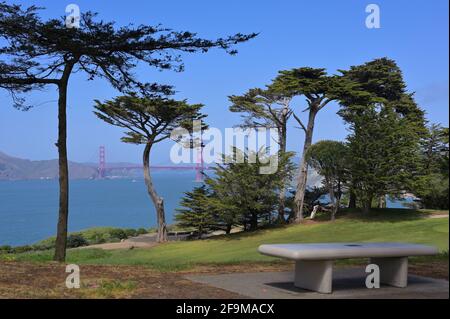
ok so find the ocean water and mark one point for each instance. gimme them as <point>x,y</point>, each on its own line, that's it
<point>29,209</point>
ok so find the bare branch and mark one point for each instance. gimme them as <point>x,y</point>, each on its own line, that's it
<point>299,121</point>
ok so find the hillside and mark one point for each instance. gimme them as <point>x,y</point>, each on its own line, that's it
<point>13,168</point>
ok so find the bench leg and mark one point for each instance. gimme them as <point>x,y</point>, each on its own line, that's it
<point>393,270</point>
<point>314,275</point>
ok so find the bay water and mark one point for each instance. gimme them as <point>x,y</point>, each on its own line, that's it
<point>29,208</point>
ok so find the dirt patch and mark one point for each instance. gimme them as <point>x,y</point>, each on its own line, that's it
<point>29,280</point>
<point>438,270</point>
<point>243,267</point>
<point>121,245</point>
<point>433,269</point>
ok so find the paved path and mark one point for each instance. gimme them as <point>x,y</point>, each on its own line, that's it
<point>438,216</point>
<point>141,241</point>
<point>347,283</point>
<point>121,245</point>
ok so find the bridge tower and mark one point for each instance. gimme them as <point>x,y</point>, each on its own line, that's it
<point>199,167</point>
<point>101,162</point>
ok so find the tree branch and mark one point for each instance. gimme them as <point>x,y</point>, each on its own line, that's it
<point>302,126</point>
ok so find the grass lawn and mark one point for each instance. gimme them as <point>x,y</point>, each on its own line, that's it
<point>380,225</point>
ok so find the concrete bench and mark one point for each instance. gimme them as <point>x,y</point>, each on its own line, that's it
<point>314,262</point>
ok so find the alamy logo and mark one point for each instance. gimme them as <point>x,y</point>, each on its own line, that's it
<point>373,19</point>
<point>73,280</point>
<point>72,16</point>
<point>373,277</point>
<point>261,142</point>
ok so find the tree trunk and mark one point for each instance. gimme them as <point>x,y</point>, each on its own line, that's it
<point>200,232</point>
<point>316,208</point>
<point>338,200</point>
<point>333,201</point>
<point>367,205</point>
<point>303,167</point>
<point>382,202</point>
<point>282,195</point>
<point>228,229</point>
<point>254,221</point>
<point>352,200</point>
<point>63,216</point>
<point>157,201</point>
<point>336,209</point>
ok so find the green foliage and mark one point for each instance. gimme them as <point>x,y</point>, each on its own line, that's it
<point>432,184</point>
<point>261,108</point>
<point>306,81</point>
<point>92,236</point>
<point>385,125</point>
<point>238,193</point>
<point>197,212</point>
<point>18,249</point>
<point>5,249</point>
<point>148,120</point>
<point>435,150</point>
<point>433,191</point>
<point>315,85</point>
<point>264,108</point>
<point>375,81</point>
<point>76,240</point>
<point>141,231</point>
<point>331,160</point>
<point>313,196</point>
<point>118,233</point>
<point>242,193</point>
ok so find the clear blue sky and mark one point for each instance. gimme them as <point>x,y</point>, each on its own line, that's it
<point>329,34</point>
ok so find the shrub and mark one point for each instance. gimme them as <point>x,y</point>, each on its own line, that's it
<point>118,233</point>
<point>92,236</point>
<point>44,246</point>
<point>130,232</point>
<point>5,249</point>
<point>97,239</point>
<point>22,249</point>
<point>141,231</point>
<point>48,243</point>
<point>76,240</point>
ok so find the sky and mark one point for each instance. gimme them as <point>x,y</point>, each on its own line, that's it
<point>321,33</point>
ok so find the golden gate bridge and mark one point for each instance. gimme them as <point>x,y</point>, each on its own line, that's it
<point>199,166</point>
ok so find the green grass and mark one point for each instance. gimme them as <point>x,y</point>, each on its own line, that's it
<point>107,289</point>
<point>381,225</point>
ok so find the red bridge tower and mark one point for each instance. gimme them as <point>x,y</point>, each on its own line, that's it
<point>101,162</point>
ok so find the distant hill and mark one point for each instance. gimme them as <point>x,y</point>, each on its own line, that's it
<point>13,168</point>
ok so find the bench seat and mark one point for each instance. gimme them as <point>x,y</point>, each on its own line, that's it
<point>314,262</point>
<point>326,251</point>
